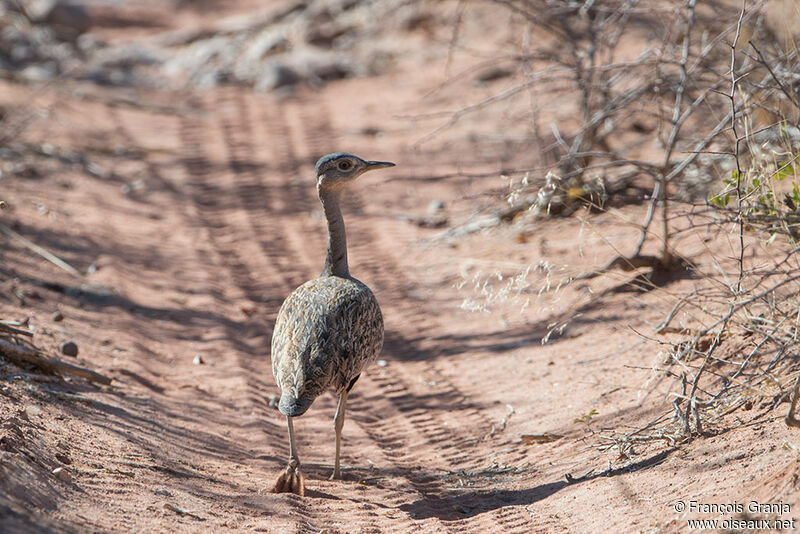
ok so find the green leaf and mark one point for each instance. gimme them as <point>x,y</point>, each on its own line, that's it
<point>785,170</point>
<point>587,417</point>
<point>719,200</point>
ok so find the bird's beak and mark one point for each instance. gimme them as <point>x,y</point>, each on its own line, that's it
<point>372,165</point>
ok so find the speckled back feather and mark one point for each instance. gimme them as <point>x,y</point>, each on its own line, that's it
<point>328,330</point>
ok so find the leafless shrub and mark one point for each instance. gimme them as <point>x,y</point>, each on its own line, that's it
<point>646,76</point>
<point>712,94</point>
<point>743,350</point>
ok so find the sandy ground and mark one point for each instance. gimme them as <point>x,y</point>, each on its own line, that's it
<point>197,215</point>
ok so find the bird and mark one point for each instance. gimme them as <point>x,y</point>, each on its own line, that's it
<point>330,328</point>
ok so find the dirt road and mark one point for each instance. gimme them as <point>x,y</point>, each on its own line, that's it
<point>224,225</point>
<point>195,215</point>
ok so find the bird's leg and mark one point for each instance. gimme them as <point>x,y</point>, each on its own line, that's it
<point>291,480</point>
<point>292,448</point>
<point>338,423</point>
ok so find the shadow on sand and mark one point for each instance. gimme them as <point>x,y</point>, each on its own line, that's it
<point>465,505</point>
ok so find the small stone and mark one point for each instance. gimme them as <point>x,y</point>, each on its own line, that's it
<point>96,171</point>
<point>382,363</point>
<point>136,185</point>
<point>91,269</point>
<point>37,73</point>
<point>69,348</point>
<point>494,73</point>
<point>69,19</point>
<point>58,316</point>
<point>62,474</point>
<point>63,458</point>
<point>274,400</point>
<point>372,131</point>
<point>276,75</point>
<point>31,294</point>
<point>32,411</point>
<point>198,360</point>
<point>435,207</point>
<point>162,492</point>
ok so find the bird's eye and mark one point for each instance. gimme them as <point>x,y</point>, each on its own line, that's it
<point>344,165</point>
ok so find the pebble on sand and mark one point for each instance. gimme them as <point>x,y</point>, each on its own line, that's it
<point>62,474</point>
<point>69,348</point>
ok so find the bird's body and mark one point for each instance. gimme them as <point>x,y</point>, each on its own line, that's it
<point>330,328</point>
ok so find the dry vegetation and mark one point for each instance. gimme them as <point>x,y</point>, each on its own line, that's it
<point>704,120</point>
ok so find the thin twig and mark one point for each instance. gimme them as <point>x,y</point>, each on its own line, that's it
<point>737,140</point>
<point>790,418</point>
<point>13,330</point>
<point>20,354</point>
<point>49,256</point>
<point>182,512</point>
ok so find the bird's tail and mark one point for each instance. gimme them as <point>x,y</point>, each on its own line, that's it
<point>293,407</point>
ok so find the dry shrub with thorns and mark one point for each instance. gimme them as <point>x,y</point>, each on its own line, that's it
<point>674,96</point>
<point>743,319</point>
<point>647,81</point>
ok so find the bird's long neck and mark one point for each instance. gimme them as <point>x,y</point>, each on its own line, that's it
<point>336,259</point>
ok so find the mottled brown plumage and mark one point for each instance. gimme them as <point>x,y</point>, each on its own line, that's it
<point>330,328</point>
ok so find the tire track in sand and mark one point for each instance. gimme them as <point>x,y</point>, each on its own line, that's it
<point>279,122</point>
<point>222,200</point>
<point>251,210</point>
<point>236,209</point>
<point>455,450</point>
<point>174,420</point>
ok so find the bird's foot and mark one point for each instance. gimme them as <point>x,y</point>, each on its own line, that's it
<point>291,480</point>
<point>336,475</point>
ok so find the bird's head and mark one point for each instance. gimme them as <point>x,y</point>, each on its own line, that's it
<point>336,170</point>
